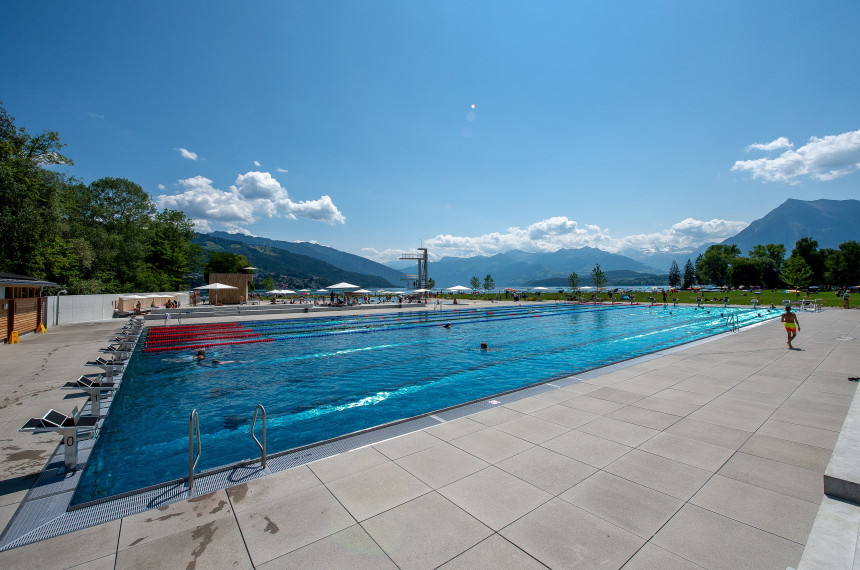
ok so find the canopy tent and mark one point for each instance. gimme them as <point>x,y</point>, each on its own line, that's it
<point>216,287</point>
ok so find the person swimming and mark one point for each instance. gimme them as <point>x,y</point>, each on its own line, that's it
<point>446,326</point>
<point>201,354</point>
<point>484,346</point>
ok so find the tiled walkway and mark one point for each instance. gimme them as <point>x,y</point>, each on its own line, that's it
<point>709,457</point>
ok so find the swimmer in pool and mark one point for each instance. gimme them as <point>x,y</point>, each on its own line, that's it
<point>792,325</point>
<point>484,346</point>
<point>201,354</point>
<point>446,326</point>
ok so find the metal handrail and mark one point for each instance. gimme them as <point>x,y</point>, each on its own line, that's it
<point>732,322</point>
<point>193,426</point>
<point>262,446</point>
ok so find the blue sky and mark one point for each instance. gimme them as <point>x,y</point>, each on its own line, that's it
<point>468,127</point>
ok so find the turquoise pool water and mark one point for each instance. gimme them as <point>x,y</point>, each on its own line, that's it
<point>325,377</point>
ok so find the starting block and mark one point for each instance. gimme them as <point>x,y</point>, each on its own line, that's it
<point>94,385</point>
<point>71,427</point>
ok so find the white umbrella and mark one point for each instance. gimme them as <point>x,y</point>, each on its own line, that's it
<point>539,289</point>
<point>342,285</point>
<point>287,292</point>
<point>215,287</point>
<point>421,291</point>
<point>586,288</point>
<point>362,291</point>
<point>458,288</point>
<point>304,290</point>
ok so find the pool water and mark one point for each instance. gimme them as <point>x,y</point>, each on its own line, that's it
<point>325,377</point>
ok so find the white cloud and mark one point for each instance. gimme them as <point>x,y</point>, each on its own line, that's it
<point>283,170</point>
<point>162,187</point>
<point>239,230</point>
<point>560,232</point>
<point>778,144</point>
<point>186,153</point>
<point>202,226</point>
<point>823,158</point>
<point>257,163</point>
<point>254,195</point>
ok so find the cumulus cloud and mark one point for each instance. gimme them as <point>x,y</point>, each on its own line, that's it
<point>822,158</point>
<point>185,153</point>
<point>777,144</point>
<point>253,196</point>
<point>560,232</point>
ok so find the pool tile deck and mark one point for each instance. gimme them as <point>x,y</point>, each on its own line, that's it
<point>711,456</point>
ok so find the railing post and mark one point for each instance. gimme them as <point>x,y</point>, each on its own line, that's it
<point>193,426</point>
<point>262,446</point>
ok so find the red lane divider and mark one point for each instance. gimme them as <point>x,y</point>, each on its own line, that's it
<point>196,346</point>
<point>199,333</point>
<point>176,330</point>
<point>201,338</point>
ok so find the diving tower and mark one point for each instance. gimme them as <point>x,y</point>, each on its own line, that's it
<point>421,280</point>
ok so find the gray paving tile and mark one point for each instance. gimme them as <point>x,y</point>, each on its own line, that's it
<point>494,552</point>
<point>800,434</point>
<point>338,466</point>
<point>446,531</point>
<point>533,429</point>
<point>717,542</point>
<point>766,399</point>
<point>625,433</point>
<point>494,497</point>
<point>566,416</point>
<point>673,478</point>
<point>106,563</point>
<point>615,395</point>
<point>780,477</point>
<point>441,464</point>
<point>414,442</point>
<point>635,508</point>
<point>491,445</point>
<point>834,531</point>
<point>528,405</point>
<point>350,548</point>
<point>767,510</point>
<point>692,452</point>
<point>729,418</point>
<point>651,557</point>
<point>710,433</point>
<point>684,396</point>
<point>273,530</point>
<point>561,535</point>
<point>75,548</point>
<point>821,421</point>
<point>643,417</point>
<point>587,448</point>
<point>377,489</point>
<point>830,402</point>
<point>495,416</point>
<point>547,470</point>
<point>593,405</point>
<point>271,489</point>
<point>171,519</point>
<point>216,544</point>
<point>799,454</point>
<point>666,405</point>
<point>454,429</point>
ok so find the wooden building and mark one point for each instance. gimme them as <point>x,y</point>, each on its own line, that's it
<point>23,306</point>
<point>231,296</point>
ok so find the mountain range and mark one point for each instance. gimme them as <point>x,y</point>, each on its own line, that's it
<point>830,222</point>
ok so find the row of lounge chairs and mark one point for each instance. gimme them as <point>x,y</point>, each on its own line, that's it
<point>78,426</point>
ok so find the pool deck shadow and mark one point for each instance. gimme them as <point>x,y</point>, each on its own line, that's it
<point>712,455</point>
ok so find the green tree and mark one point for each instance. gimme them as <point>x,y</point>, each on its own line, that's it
<point>745,271</point>
<point>714,265</point>
<point>674,275</point>
<point>807,249</point>
<point>489,283</point>
<point>843,267</point>
<point>224,262</point>
<point>598,277</point>
<point>171,255</point>
<point>697,265</point>
<point>573,282</point>
<point>772,251</point>
<point>796,272</point>
<point>475,283</point>
<point>689,275</point>
<point>431,283</point>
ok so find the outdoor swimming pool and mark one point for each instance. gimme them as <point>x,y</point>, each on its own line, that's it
<point>325,377</point>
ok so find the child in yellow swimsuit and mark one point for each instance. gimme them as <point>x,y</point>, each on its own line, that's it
<point>792,325</point>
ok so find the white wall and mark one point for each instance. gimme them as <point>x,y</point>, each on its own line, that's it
<point>87,308</point>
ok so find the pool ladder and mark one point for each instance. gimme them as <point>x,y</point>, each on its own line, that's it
<point>732,322</point>
<point>194,434</point>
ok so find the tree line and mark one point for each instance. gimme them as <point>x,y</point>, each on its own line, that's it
<point>102,237</point>
<point>766,266</point>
